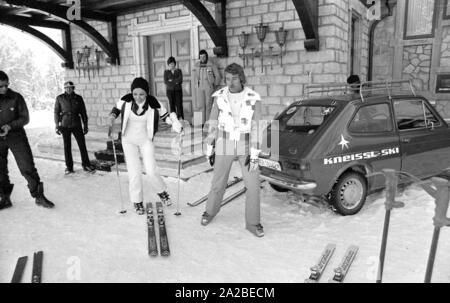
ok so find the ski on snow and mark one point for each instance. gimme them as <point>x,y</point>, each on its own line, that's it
<point>317,270</point>
<point>341,271</point>
<point>163,240</point>
<point>152,246</point>
<point>18,271</point>
<point>36,276</point>
<point>204,198</point>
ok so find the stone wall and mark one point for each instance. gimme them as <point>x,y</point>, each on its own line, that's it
<point>279,85</point>
<point>417,65</point>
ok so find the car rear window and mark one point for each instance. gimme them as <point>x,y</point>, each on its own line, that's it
<point>304,118</point>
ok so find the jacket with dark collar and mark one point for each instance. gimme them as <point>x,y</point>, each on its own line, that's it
<point>124,109</point>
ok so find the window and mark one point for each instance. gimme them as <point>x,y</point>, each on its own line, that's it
<point>354,44</point>
<point>372,119</point>
<point>304,118</point>
<point>447,9</point>
<point>419,19</point>
<point>413,114</point>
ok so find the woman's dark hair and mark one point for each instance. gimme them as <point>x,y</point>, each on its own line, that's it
<point>236,69</point>
<point>171,60</point>
<point>203,52</point>
<point>3,76</point>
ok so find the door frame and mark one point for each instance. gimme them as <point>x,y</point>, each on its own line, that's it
<point>141,31</point>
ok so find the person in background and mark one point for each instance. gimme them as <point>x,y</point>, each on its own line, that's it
<point>206,80</point>
<point>71,118</point>
<point>140,114</point>
<point>354,82</point>
<point>13,117</point>
<point>233,132</point>
<point>173,77</point>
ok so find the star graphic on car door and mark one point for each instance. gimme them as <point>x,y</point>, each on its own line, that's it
<point>343,143</point>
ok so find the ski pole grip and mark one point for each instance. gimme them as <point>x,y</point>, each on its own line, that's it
<point>442,200</point>
<point>391,189</point>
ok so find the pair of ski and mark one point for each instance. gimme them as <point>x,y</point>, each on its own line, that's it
<point>340,272</point>
<point>36,276</point>
<point>163,240</point>
<point>228,199</point>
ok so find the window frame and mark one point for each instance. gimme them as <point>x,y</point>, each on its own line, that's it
<point>425,105</point>
<point>433,25</point>
<point>393,123</point>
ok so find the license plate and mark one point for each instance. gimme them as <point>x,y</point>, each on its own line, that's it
<point>270,164</point>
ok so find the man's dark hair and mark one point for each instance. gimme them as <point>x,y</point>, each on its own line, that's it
<point>353,79</point>
<point>3,76</point>
<point>203,52</point>
<point>171,60</point>
<point>236,69</point>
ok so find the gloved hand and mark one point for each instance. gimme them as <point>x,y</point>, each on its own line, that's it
<point>4,130</point>
<point>176,125</point>
<point>86,130</point>
<point>58,130</point>
<point>210,155</point>
<point>252,161</point>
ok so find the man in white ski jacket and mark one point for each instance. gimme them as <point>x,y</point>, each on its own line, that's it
<point>233,132</point>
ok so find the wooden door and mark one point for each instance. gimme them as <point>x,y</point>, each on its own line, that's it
<point>161,47</point>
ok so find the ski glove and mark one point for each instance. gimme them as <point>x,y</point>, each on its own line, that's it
<point>86,130</point>
<point>58,130</point>
<point>210,155</point>
<point>176,125</point>
<point>252,161</point>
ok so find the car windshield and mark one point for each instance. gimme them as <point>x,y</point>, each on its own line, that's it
<point>304,118</point>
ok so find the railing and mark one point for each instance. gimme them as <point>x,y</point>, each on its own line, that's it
<point>360,88</point>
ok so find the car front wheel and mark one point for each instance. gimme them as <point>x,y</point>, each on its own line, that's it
<point>349,193</point>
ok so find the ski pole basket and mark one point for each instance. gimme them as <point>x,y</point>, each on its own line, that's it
<point>362,89</point>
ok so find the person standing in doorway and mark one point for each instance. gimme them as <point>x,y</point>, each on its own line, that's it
<point>13,117</point>
<point>70,112</point>
<point>233,132</point>
<point>140,113</point>
<point>206,79</point>
<point>173,78</point>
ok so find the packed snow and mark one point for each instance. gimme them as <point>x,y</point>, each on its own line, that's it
<point>85,239</point>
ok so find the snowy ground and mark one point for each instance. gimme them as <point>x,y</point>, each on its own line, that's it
<point>84,239</point>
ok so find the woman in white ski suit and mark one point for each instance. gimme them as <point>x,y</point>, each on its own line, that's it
<point>140,114</point>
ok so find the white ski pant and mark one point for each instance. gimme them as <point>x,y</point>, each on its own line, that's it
<point>133,149</point>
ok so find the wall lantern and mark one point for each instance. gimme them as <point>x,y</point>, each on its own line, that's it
<point>243,42</point>
<point>261,33</point>
<point>87,62</point>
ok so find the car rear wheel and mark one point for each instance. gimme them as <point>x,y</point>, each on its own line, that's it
<point>279,188</point>
<point>349,193</point>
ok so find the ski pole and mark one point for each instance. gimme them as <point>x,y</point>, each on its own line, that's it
<point>391,190</point>
<point>122,210</point>
<point>178,213</point>
<point>440,220</point>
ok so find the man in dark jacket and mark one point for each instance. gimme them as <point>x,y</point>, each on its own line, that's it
<point>69,112</point>
<point>13,117</point>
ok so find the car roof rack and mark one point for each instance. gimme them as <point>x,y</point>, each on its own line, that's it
<point>364,87</point>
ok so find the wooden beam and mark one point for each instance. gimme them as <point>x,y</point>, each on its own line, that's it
<point>63,54</point>
<point>60,10</point>
<point>308,11</point>
<point>216,31</point>
<point>35,22</point>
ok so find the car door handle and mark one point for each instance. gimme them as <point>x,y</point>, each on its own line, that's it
<point>406,140</point>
